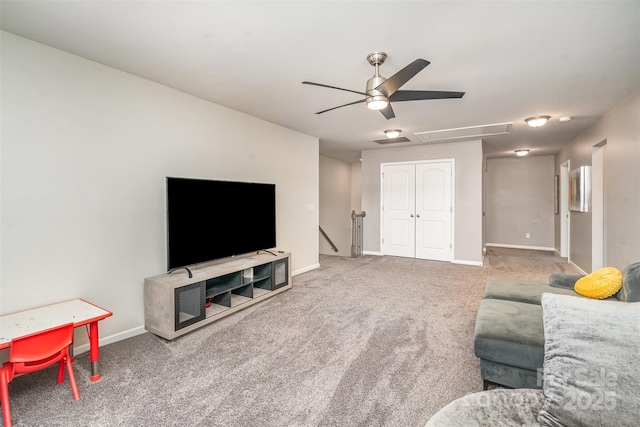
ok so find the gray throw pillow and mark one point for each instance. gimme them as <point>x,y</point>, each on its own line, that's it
<point>591,362</point>
<point>630,291</point>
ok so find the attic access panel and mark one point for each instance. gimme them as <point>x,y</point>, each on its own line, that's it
<point>464,132</point>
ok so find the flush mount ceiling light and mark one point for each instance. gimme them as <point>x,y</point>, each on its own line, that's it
<point>521,153</point>
<point>537,121</point>
<point>564,119</point>
<point>392,133</point>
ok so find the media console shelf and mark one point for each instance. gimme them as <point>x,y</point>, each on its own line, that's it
<point>175,304</point>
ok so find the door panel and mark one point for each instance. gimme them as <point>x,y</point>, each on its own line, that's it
<point>433,213</point>
<point>433,235</point>
<point>398,236</point>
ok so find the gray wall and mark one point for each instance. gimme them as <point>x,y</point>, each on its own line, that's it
<point>468,192</point>
<point>620,128</point>
<point>335,205</point>
<point>519,200</point>
<point>85,153</point>
<point>356,187</point>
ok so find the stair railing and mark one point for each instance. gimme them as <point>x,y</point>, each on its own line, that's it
<point>356,233</point>
<point>335,249</point>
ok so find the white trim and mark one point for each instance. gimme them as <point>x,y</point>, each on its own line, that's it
<point>372,253</point>
<point>565,218</point>
<point>138,330</point>
<point>475,263</point>
<point>578,268</point>
<point>535,248</point>
<point>597,206</point>
<point>305,269</point>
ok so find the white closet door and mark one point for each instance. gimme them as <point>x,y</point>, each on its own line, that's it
<point>398,211</point>
<point>433,211</point>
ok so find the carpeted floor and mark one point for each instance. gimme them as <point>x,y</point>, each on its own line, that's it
<point>372,341</point>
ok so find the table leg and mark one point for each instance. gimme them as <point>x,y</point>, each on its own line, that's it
<point>94,351</point>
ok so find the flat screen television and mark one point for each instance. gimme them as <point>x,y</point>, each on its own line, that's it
<point>209,220</point>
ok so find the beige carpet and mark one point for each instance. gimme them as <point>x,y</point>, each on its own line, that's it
<point>373,341</point>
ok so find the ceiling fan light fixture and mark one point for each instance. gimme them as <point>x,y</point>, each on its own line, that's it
<point>377,102</point>
<point>521,153</point>
<point>537,121</point>
<point>392,133</point>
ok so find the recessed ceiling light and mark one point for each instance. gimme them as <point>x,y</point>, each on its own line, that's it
<point>537,121</point>
<point>521,153</point>
<point>392,133</point>
<point>565,119</point>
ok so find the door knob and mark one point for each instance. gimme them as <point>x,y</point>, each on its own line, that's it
<point>411,215</point>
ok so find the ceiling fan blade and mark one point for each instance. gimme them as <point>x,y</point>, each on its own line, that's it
<point>388,112</point>
<point>340,106</point>
<point>417,95</point>
<point>393,83</point>
<point>333,87</point>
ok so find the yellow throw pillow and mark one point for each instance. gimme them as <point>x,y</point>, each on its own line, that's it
<point>600,284</point>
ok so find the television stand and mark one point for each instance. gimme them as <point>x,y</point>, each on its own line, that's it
<point>175,303</point>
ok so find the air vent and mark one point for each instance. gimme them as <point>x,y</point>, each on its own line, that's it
<point>391,140</point>
<point>464,133</point>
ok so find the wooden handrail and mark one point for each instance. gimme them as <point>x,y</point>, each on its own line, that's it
<point>335,249</point>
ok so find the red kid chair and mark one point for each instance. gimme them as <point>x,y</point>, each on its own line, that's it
<point>34,352</point>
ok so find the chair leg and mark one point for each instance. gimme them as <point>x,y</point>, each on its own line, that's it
<point>4,398</point>
<point>72,379</point>
<point>61,371</point>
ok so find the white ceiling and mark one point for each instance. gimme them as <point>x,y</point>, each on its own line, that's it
<point>514,59</point>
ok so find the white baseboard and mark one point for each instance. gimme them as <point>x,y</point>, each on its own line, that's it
<point>138,330</point>
<point>305,269</point>
<point>455,261</point>
<point>578,268</point>
<point>464,262</point>
<point>535,248</point>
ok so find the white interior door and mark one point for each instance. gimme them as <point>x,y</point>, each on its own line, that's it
<point>398,210</point>
<point>417,215</point>
<point>433,211</point>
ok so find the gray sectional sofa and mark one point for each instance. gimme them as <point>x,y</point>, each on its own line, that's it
<point>570,360</point>
<point>509,336</point>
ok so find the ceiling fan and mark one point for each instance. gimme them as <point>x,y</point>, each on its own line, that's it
<point>381,91</point>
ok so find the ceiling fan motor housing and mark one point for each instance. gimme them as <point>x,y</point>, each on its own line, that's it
<point>372,84</point>
<point>373,95</point>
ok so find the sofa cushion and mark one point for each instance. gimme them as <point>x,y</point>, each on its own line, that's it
<point>509,333</point>
<point>497,407</point>
<point>510,376</point>
<point>564,280</point>
<point>527,291</point>
<point>630,291</point>
<point>591,362</point>
<point>600,284</point>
